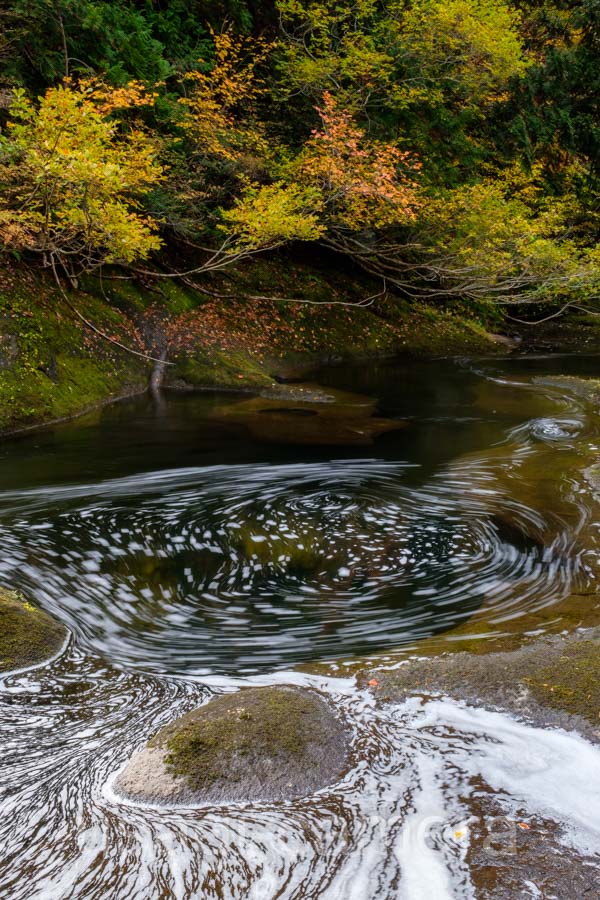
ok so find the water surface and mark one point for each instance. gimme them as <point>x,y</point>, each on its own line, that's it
<point>189,557</point>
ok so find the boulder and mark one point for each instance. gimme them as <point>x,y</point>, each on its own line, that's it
<point>270,743</point>
<point>28,635</point>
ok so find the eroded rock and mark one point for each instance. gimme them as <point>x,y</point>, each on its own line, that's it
<point>271,743</point>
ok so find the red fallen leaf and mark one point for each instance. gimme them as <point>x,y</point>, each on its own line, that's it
<point>524,826</point>
<point>373,682</point>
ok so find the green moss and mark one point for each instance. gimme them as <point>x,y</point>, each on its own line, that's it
<point>54,367</point>
<point>31,396</point>
<point>333,323</point>
<point>206,746</point>
<point>222,369</point>
<point>426,331</point>
<point>28,635</point>
<point>130,295</point>
<point>417,331</point>
<point>572,682</point>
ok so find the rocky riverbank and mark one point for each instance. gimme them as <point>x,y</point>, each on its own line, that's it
<point>552,682</point>
<point>274,320</point>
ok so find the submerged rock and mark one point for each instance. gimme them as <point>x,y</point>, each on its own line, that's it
<point>592,475</point>
<point>271,743</point>
<point>306,414</point>
<point>28,635</point>
<point>588,388</point>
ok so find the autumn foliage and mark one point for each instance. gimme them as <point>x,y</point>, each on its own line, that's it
<point>363,183</point>
<point>449,147</point>
<point>214,100</point>
<point>73,180</point>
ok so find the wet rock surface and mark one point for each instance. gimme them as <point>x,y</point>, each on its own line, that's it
<point>28,635</point>
<point>519,855</point>
<point>307,414</point>
<point>588,388</point>
<point>272,743</point>
<point>592,475</point>
<point>553,682</point>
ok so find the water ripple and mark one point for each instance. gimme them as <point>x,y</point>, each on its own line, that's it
<point>399,817</point>
<point>240,568</point>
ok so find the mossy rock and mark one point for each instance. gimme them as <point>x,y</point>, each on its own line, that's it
<point>28,635</point>
<point>271,743</point>
<point>553,681</point>
<point>231,370</point>
<point>571,682</point>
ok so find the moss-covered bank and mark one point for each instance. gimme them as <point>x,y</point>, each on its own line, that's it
<point>28,635</point>
<point>51,365</point>
<point>241,333</point>
<point>272,743</point>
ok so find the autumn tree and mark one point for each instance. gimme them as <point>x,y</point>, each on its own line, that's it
<point>431,70</point>
<point>499,240</point>
<point>72,180</point>
<point>338,187</point>
<point>448,146</point>
<point>230,185</point>
<point>218,106</point>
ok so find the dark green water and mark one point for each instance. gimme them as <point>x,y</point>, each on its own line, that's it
<point>171,537</point>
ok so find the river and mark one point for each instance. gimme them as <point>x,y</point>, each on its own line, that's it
<point>191,554</point>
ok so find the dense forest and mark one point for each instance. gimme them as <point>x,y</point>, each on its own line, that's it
<point>447,147</point>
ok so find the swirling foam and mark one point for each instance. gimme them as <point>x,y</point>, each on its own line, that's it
<point>241,568</point>
<point>396,825</point>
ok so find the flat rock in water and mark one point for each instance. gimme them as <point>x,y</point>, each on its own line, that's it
<point>28,636</point>
<point>305,414</point>
<point>271,743</point>
<point>589,388</point>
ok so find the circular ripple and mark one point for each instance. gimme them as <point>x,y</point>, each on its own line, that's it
<point>237,569</point>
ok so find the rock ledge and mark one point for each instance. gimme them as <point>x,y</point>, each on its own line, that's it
<point>28,636</point>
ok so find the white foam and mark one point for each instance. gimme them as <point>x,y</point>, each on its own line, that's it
<point>554,773</point>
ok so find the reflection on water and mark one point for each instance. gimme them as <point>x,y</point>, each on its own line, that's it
<point>185,553</point>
